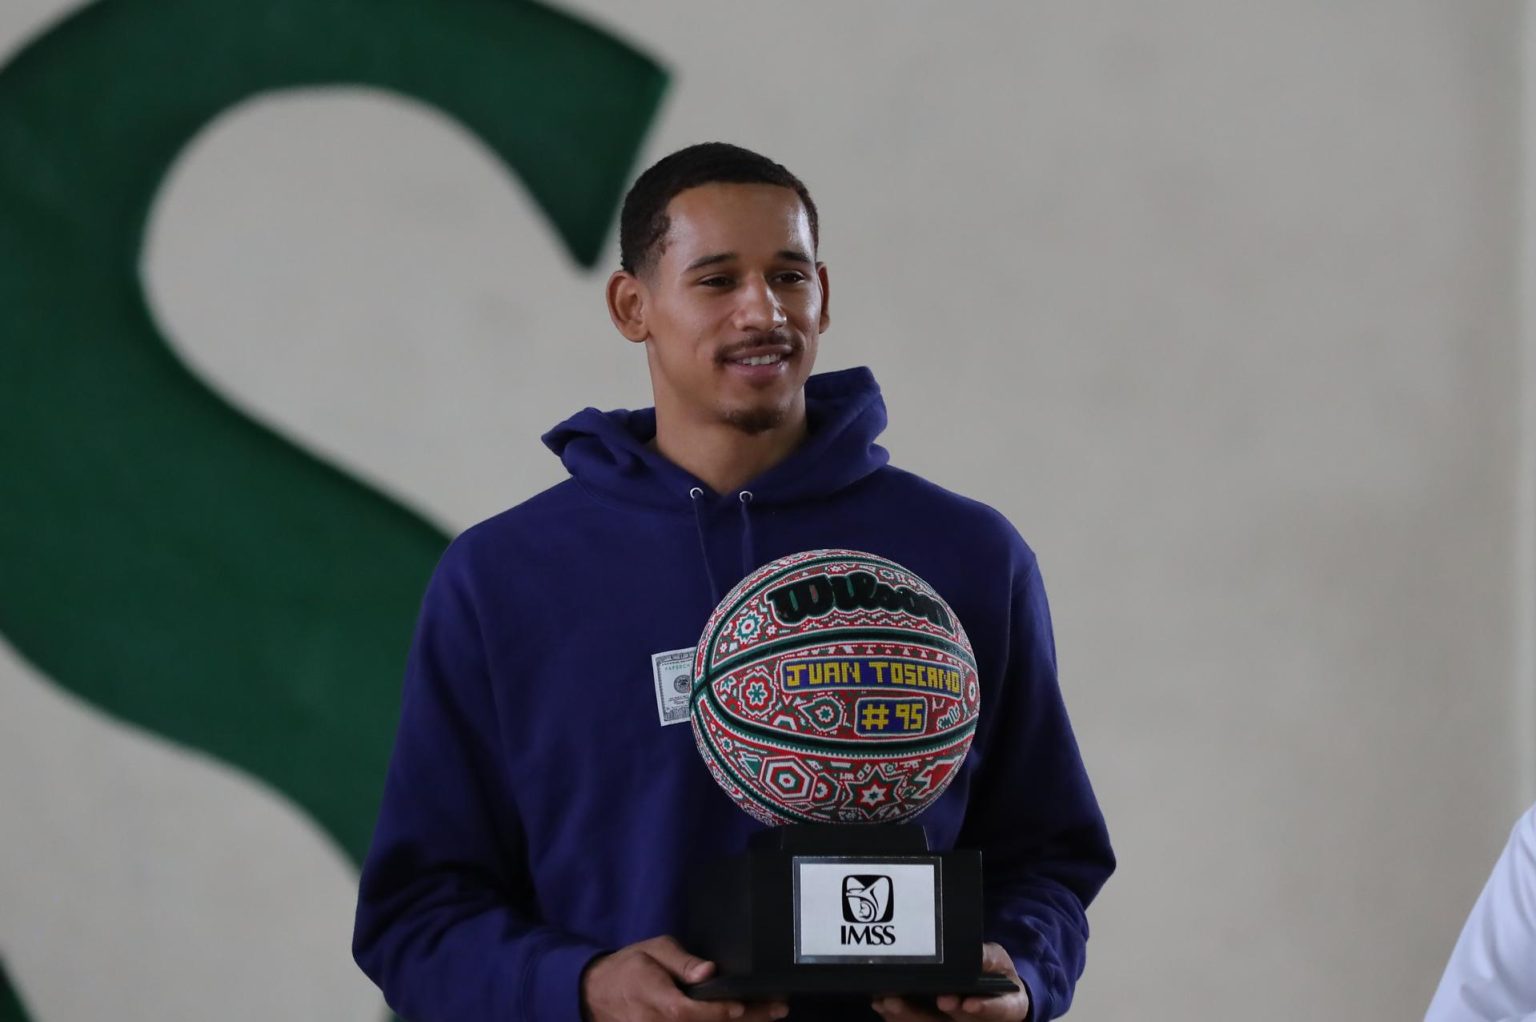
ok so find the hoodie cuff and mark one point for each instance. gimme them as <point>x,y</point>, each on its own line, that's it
<point>553,988</point>
<point>1029,974</point>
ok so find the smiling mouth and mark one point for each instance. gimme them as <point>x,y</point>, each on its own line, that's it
<point>758,360</point>
<point>768,350</point>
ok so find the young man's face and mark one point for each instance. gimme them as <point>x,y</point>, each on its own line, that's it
<point>732,308</point>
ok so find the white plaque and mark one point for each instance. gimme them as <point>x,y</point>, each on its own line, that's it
<point>861,909</point>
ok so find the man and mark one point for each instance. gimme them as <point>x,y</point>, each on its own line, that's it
<point>540,824</point>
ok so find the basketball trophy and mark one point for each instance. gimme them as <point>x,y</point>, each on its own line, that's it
<point>834,696</point>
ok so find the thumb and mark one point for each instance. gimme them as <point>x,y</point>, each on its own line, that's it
<point>995,960</point>
<point>683,965</point>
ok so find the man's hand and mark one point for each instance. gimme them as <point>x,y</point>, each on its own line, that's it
<point>1012,1007</point>
<point>639,983</point>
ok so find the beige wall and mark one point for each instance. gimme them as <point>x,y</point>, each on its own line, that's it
<point>1219,302</point>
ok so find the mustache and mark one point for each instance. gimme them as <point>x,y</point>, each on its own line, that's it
<point>779,338</point>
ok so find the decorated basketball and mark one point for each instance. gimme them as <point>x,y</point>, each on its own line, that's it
<point>833,686</point>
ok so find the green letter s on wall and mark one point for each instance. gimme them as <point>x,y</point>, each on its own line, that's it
<point>162,556</point>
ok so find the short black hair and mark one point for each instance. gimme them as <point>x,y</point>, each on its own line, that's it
<point>643,223</point>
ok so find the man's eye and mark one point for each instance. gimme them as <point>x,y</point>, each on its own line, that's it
<point>793,277</point>
<point>716,282</point>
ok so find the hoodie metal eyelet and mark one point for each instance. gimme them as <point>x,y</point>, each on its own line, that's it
<point>745,496</point>
<point>696,492</point>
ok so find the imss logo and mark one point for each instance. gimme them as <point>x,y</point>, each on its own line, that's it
<point>868,905</point>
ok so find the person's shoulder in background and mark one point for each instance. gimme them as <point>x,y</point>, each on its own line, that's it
<point>1491,975</point>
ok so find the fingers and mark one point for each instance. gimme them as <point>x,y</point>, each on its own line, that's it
<point>683,966</point>
<point>641,983</point>
<point>995,1008</point>
<point>680,963</point>
<point>900,1009</point>
<point>949,1008</point>
<point>995,959</point>
<point>1005,1008</point>
<point>725,1011</point>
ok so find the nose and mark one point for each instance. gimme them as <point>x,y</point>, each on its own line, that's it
<point>758,307</point>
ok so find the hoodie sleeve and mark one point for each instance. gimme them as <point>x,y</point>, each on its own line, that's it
<point>1045,849</point>
<point>446,923</point>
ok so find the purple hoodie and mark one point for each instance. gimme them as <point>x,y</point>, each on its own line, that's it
<point>538,813</point>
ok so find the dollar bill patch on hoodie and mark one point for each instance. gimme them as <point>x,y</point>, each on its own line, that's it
<point>673,674</point>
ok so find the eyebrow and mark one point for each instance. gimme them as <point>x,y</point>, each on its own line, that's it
<point>791,255</point>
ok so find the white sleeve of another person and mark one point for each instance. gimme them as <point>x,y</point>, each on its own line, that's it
<point>1491,976</point>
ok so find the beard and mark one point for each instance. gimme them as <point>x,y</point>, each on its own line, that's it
<point>753,421</point>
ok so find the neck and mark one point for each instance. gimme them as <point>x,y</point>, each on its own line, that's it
<point>721,455</point>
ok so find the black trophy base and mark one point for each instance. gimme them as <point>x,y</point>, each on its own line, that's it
<point>851,984</point>
<point>758,918</point>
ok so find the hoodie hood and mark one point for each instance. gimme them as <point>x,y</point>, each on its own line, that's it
<point>606,451</point>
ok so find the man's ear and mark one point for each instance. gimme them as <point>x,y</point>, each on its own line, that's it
<point>826,298</point>
<point>626,305</point>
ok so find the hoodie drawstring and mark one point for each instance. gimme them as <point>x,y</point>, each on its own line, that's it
<point>697,496</point>
<point>748,553</point>
<point>748,558</point>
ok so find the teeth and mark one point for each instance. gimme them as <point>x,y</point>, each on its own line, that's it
<point>761,360</point>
